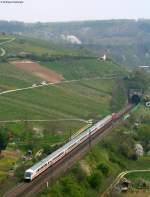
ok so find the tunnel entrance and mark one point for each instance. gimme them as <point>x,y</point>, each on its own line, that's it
<point>135,99</point>
<point>135,95</point>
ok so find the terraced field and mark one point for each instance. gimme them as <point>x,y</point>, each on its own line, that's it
<point>75,100</point>
<point>83,99</point>
<point>40,47</point>
<point>82,68</point>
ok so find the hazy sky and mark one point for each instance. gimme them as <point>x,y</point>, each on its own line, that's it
<point>68,10</point>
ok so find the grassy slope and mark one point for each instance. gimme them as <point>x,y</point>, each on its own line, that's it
<point>39,47</point>
<point>79,99</point>
<point>75,69</point>
<point>11,77</point>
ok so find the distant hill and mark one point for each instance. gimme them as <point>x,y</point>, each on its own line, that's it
<point>126,41</point>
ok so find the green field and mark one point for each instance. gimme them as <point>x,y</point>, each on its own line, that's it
<point>12,78</point>
<point>85,68</point>
<point>83,99</point>
<point>76,100</point>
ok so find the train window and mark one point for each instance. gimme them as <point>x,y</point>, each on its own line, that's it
<point>28,174</point>
<point>83,138</point>
<point>72,146</point>
<point>58,155</point>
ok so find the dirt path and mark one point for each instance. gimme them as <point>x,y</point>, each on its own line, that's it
<point>45,120</point>
<point>8,41</point>
<point>3,52</point>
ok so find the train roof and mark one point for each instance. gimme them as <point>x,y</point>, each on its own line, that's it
<point>64,147</point>
<point>29,170</point>
<point>55,153</point>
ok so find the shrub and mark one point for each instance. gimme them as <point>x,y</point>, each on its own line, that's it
<point>4,138</point>
<point>95,180</point>
<point>79,174</point>
<point>104,168</point>
<point>71,188</point>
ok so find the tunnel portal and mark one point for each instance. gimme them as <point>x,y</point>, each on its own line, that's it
<point>135,96</point>
<point>135,99</point>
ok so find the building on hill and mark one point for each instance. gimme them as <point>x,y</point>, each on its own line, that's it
<point>104,58</point>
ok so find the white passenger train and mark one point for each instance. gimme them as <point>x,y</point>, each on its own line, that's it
<point>41,166</point>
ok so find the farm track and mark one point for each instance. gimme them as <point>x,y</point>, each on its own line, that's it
<point>61,82</point>
<point>3,52</point>
<point>59,168</point>
<point>8,41</point>
<point>46,120</point>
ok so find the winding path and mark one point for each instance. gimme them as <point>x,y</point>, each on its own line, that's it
<point>3,52</point>
<point>8,41</point>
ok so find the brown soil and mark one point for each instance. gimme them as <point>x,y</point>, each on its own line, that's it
<point>38,70</point>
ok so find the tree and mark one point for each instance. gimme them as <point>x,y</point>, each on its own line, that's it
<point>104,168</point>
<point>138,80</point>
<point>95,180</point>
<point>144,134</point>
<point>3,139</point>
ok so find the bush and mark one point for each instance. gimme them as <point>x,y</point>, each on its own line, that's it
<point>114,159</point>
<point>79,174</point>
<point>95,180</point>
<point>71,188</point>
<point>104,168</point>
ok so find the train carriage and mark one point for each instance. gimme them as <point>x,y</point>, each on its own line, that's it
<point>57,155</point>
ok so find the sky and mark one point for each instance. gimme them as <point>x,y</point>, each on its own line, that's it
<point>74,10</point>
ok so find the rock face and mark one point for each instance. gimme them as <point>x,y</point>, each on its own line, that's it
<point>71,39</point>
<point>139,150</point>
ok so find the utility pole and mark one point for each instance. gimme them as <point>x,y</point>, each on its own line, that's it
<point>70,134</point>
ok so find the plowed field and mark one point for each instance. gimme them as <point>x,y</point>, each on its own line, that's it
<point>39,71</point>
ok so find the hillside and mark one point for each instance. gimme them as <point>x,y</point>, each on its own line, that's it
<point>12,78</point>
<point>126,41</point>
<point>56,109</point>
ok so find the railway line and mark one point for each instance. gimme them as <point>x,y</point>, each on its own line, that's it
<point>61,166</point>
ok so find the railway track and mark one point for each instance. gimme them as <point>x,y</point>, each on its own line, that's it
<point>63,165</point>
